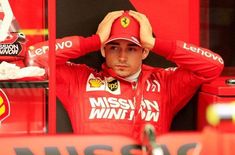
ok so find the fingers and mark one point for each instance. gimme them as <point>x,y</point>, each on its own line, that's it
<point>113,15</point>
<point>146,33</point>
<point>104,27</point>
<point>138,16</point>
<point>141,18</point>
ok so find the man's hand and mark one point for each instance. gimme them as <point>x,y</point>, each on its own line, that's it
<point>146,33</point>
<point>104,27</point>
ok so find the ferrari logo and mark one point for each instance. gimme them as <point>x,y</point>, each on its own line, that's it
<point>125,22</point>
<point>4,106</point>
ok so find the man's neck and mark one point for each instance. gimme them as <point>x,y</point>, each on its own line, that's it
<point>134,77</point>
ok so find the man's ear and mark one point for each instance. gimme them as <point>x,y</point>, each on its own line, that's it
<point>102,51</point>
<point>145,53</point>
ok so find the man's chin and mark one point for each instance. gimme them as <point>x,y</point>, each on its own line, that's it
<point>122,74</point>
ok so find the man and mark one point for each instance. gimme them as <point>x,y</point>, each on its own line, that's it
<point>127,94</point>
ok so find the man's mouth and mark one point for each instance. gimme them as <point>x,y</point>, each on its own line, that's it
<point>121,66</point>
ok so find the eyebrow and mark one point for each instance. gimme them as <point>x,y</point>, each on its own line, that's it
<point>112,43</point>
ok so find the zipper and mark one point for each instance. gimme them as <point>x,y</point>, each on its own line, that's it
<point>134,85</point>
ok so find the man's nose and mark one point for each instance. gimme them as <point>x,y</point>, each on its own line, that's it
<point>122,55</point>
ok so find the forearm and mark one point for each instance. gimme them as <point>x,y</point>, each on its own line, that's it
<point>76,47</point>
<point>201,61</point>
<point>66,48</point>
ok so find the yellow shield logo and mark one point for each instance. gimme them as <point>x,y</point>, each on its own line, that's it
<point>4,106</point>
<point>125,22</point>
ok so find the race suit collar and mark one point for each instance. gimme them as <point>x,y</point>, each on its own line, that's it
<point>133,78</point>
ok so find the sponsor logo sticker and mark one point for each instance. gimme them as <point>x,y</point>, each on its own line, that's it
<point>94,83</point>
<point>113,85</point>
<point>109,84</point>
<point>4,106</point>
<point>13,45</point>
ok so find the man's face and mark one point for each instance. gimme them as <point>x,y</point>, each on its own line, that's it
<point>124,57</point>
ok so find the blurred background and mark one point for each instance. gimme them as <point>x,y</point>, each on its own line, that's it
<point>207,23</point>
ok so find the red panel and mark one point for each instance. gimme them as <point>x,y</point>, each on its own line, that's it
<point>51,55</point>
<point>219,87</point>
<point>27,111</point>
<point>30,15</point>
<point>206,99</point>
<point>208,142</point>
<point>216,92</point>
<point>172,19</point>
<point>61,144</point>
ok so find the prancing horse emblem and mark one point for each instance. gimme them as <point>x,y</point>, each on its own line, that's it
<point>125,22</point>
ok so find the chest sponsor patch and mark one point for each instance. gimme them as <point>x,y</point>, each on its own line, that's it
<point>108,84</point>
<point>95,83</point>
<point>123,109</point>
<point>113,86</point>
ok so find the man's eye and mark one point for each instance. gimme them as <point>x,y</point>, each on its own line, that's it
<point>113,48</point>
<point>132,49</point>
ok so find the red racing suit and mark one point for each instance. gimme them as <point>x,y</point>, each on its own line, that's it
<point>103,103</point>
